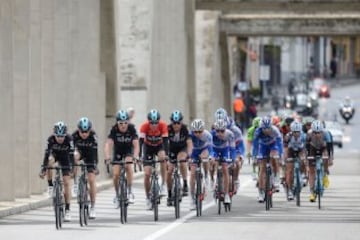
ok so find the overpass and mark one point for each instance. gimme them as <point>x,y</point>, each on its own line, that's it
<point>63,59</point>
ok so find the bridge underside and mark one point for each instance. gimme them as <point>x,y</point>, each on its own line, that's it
<point>290,25</point>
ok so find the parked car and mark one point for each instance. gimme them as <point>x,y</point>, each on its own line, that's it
<point>336,132</point>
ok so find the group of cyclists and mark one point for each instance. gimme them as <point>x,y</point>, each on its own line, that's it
<point>274,137</point>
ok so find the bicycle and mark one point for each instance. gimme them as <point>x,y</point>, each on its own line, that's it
<point>232,188</point>
<point>154,190</point>
<point>200,190</point>
<point>176,187</point>
<point>219,193</point>
<point>297,185</point>
<point>319,174</point>
<point>83,193</point>
<point>121,193</point>
<point>58,198</point>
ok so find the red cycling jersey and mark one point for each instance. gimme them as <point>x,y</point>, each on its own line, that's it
<point>153,134</point>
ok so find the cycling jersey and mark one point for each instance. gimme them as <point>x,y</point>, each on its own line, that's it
<point>87,147</point>
<point>153,135</point>
<point>178,140</point>
<point>263,144</point>
<point>296,144</point>
<point>223,147</point>
<point>123,141</point>
<point>200,143</point>
<point>62,152</point>
<point>239,141</point>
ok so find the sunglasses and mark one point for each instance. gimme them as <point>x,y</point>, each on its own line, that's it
<point>154,123</point>
<point>84,131</point>
<point>198,132</point>
<point>122,123</point>
<point>60,136</point>
<point>296,132</point>
<point>178,123</point>
<point>220,130</point>
<point>317,133</point>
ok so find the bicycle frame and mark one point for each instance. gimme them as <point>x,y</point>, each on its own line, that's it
<point>154,190</point>
<point>199,192</point>
<point>176,187</point>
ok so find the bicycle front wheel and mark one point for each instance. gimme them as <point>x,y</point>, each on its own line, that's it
<point>177,196</point>
<point>58,208</point>
<point>198,197</point>
<point>268,193</point>
<point>297,187</point>
<point>319,186</point>
<point>123,202</point>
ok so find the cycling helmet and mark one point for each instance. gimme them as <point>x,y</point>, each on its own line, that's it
<point>84,124</point>
<point>197,125</point>
<point>60,129</point>
<point>220,124</point>
<point>288,120</point>
<point>176,116</point>
<point>317,126</point>
<point>307,120</point>
<point>275,120</point>
<point>220,113</point>
<point>256,122</point>
<point>296,126</point>
<point>122,115</point>
<point>153,115</point>
<point>265,122</point>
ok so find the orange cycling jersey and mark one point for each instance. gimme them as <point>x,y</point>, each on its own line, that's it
<point>153,134</point>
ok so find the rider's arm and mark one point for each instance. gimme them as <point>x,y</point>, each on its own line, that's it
<point>108,148</point>
<point>255,142</point>
<point>71,152</point>
<point>47,153</point>
<point>189,146</point>
<point>94,150</point>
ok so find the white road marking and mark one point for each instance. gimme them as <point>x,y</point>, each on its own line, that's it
<point>181,220</point>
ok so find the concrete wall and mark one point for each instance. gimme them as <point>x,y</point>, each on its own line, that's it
<point>49,71</point>
<point>172,73</point>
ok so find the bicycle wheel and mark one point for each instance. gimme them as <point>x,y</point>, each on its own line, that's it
<point>198,200</point>
<point>219,191</point>
<point>57,207</point>
<point>297,187</point>
<point>318,191</point>
<point>155,195</point>
<point>177,196</point>
<point>81,203</point>
<point>123,201</point>
<point>86,203</point>
<point>267,191</point>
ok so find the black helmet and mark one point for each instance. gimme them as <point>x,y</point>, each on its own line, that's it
<point>84,124</point>
<point>60,129</point>
<point>176,116</point>
<point>153,115</point>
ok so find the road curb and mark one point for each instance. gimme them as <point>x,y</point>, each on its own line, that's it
<point>21,205</point>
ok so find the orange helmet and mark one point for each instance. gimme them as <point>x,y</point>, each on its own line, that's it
<point>276,120</point>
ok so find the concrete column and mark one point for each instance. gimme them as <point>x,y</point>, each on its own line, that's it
<point>108,53</point>
<point>208,60</point>
<point>133,32</point>
<point>21,59</point>
<point>7,192</point>
<point>170,50</point>
<point>34,137</point>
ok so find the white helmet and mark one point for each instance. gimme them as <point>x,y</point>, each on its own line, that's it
<point>296,126</point>
<point>220,124</point>
<point>197,125</point>
<point>220,113</point>
<point>317,126</point>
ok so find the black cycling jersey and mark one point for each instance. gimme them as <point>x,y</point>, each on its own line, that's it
<point>123,141</point>
<point>88,147</point>
<point>178,140</point>
<point>63,153</point>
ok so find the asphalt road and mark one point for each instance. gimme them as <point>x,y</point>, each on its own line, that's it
<point>338,219</point>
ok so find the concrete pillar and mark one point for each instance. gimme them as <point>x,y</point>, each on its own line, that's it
<point>225,71</point>
<point>34,136</point>
<point>133,32</point>
<point>208,60</point>
<point>108,53</point>
<point>170,50</point>
<point>7,192</point>
<point>21,59</point>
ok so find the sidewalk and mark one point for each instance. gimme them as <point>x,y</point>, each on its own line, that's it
<point>42,200</point>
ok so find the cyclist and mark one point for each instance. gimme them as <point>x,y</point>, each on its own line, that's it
<point>250,137</point>
<point>180,147</point>
<point>223,151</point>
<point>293,141</point>
<point>267,143</point>
<point>330,153</point>
<point>316,140</point>
<point>154,142</point>
<point>202,146</point>
<point>124,138</point>
<point>86,148</point>
<point>60,148</point>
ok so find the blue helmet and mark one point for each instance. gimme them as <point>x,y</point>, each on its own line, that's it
<point>176,116</point>
<point>122,115</point>
<point>60,129</point>
<point>265,122</point>
<point>84,124</point>
<point>317,126</point>
<point>153,115</point>
<point>296,126</point>
<point>220,124</point>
